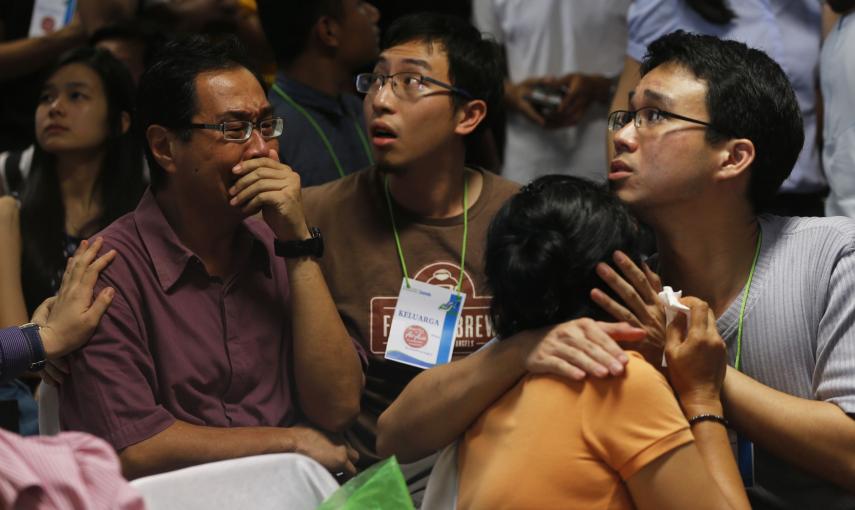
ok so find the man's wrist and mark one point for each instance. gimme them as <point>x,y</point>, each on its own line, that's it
<point>309,246</point>
<point>49,342</point>
<point>696,407</point>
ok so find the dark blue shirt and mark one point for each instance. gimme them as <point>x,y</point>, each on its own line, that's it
<point>15,355</point>
<point>302,148</point>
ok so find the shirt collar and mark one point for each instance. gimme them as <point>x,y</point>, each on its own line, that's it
<point>307,97</point>
<point>171,258</point>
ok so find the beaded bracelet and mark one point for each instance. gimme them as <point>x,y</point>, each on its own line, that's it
<point>708,417</point>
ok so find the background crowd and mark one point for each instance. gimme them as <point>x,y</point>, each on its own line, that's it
<point>181,118</point>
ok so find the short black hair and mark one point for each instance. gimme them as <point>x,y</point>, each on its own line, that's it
<point>840,6</point>
<point>543,247</point>
<point>288,23</point>
<point>167,89</point>
<point>474,63</point>
<point>748,96</point>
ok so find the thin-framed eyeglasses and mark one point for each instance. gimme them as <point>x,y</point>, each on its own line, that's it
<point>241,130</point>
<point>646,117</point>
<point>407,85</point>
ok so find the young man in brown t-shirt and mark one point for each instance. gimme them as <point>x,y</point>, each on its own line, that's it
<point>434,84</point>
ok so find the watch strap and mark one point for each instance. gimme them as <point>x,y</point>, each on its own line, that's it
<point>37,348</point>
<point>312,247</point>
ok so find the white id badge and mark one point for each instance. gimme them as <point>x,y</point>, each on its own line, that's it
<point>50,15</point>
<point>424,325</point>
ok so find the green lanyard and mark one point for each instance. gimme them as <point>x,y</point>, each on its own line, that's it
<point>321,134</point>
<point>738,362</point>
<point>398,239</point>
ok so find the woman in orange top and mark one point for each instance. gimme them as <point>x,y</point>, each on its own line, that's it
<point>620,442</point>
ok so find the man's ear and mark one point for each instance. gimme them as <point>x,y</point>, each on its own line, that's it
<point>469,116</point>
<point>737,155</point>
<point>328,31</point>
<point>126,122</point>
<point>162,142</point>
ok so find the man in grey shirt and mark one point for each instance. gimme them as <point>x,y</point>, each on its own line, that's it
<point>712,131</point>
<point>780,287</point>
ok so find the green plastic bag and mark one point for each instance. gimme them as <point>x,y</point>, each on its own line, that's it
<point>380,487</point>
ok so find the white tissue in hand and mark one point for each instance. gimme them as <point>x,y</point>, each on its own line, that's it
<point>671,301</point>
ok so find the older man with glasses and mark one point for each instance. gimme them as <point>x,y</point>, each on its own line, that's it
<point>222,340</point>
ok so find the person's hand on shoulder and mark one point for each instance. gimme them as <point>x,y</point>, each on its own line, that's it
<point>68,319</point>
<point>580,347</point>
<point>638,289</point>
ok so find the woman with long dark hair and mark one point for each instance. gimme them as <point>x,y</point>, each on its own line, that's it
<point>87,171</point>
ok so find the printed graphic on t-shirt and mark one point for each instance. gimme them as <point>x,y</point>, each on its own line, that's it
<point>474,328</point>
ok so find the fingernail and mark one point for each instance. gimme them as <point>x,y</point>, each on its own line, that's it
<point>616,368</point>
<point>236,168</point>
<point>111,292</point>
<point>623,358</point>
<point>601,372</point>
<point>232,190</point>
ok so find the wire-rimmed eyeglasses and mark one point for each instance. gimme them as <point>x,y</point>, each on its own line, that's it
<point>646,117</point>
<point>406,85</point>
<point>241,130</point>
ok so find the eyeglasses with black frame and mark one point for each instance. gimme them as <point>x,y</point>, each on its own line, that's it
<point>406,85</point>
<point>241,130</point>
<point>646,117</point>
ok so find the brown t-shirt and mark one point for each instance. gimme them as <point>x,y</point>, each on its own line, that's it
<point>363,272</point>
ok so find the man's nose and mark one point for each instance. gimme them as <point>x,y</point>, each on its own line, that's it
<point>259,147</point>
<point>625,139</point>
<point>384,99</point>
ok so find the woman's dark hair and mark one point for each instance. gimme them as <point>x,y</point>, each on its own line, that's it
<point>120,180</point>
<point>543,247</point>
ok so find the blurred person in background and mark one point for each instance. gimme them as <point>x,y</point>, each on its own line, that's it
<point>22,57</point>
<point>86,172</point>
<point>319,47</point>
<point>562,58</point>
<point>837,77</point>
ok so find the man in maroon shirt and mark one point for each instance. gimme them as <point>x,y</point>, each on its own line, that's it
<point>214,347</point>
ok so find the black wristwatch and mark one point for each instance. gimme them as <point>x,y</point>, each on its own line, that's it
<point>312,247</point>
<point>37,348</point>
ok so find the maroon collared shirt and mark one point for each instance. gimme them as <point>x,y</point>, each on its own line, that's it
<point>177,343</point>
